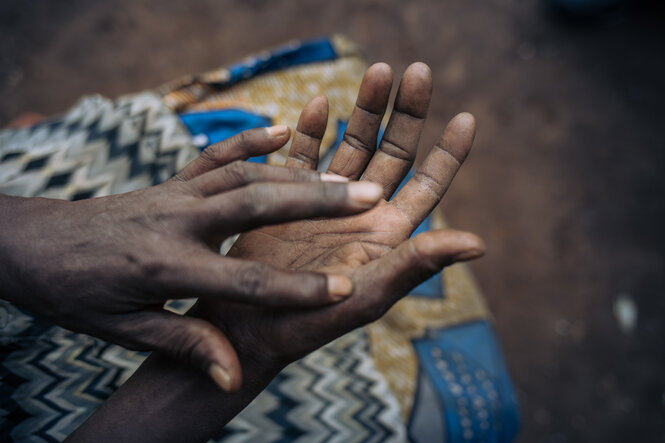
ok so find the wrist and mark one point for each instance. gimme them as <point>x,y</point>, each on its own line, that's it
<point>12,217</point>
<point>172,402</point>
<point>29,234</point>
<point>258,369</point>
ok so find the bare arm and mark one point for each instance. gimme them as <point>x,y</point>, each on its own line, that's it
<point>105,266</point>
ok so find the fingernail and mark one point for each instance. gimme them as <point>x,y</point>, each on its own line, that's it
<point>339,286</point>
<point>469,254</point>
<point>365,192</point>
<point>277,130</point>
<point>333,178</point>
<point>220,376</point>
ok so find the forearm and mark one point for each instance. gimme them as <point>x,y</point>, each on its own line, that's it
<point>15,214</point>
<point>169,402</point>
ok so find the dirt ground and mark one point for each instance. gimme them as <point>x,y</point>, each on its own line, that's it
<point>565,182</point>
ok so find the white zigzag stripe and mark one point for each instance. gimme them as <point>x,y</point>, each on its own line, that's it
<point>339,396</point>
<point>163,144</point>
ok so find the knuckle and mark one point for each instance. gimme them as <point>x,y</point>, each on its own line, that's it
<point>212,152</point>
<point>191,342</point>
<point>256,200</point>
<point>236,171</point>
<point>236,166</point>
<point>254,280</point>
<point>243,140</point>
<point>395,150</point>
<point>423,260</point>
<point>357,143</point>
<point>325,192</point>
<point>300,175</point>
<point>304,157</point>
<point>329,192</point>
<point>154,268</point>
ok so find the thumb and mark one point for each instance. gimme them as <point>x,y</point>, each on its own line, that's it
<point>189,340</point>
<point>415,260</point>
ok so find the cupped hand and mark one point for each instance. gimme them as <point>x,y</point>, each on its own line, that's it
<point>105,266</point>
<point>373,248</point>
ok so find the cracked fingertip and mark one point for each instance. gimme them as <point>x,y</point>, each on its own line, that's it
<point>420,68</point>
<point>466,119</point>
<point>382,68</point>
<point>319,100</point>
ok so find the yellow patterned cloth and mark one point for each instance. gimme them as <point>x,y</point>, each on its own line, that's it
<point>411,318</point>
<point>279,95</point>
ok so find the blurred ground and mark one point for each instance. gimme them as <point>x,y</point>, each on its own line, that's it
<point>565,182</point>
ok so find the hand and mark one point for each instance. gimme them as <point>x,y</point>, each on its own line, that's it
<point>175,403</point>
<point>372,248</point>
<point>105,266</point>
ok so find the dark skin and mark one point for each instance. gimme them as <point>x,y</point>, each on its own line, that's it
<point>105,266</point>
<point>169,402</point>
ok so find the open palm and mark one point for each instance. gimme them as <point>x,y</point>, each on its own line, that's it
<point>372,248</point>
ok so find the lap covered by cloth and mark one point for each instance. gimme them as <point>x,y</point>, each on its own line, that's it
<point>429,370</point>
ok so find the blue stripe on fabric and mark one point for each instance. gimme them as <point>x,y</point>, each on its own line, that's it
<point>220,125</point>
<point>312,51</point>
<point>467,370</point>
<point>341,129</point>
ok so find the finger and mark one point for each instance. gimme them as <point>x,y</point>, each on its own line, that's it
<point>359,141</point>
<point>218,278</point>
<point>242,146</point>
<point>384,280</point>
<point>189,340</point>
<point>240,173</point>
<point>304,152</point>
<point>387,279</point>
<point>399,143</point>
<point>431,181</point>
<point>261,204</point>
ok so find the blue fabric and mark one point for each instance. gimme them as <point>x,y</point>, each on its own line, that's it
<point>465,366</point>
<point>341,129</point>
<point>285,57</point>
<point>220,125</point>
